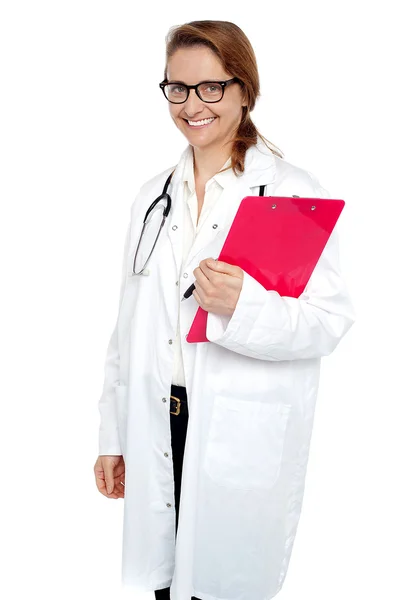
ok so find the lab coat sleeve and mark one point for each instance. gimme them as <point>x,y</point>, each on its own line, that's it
<point>108,433</point>
<point>271,327</point>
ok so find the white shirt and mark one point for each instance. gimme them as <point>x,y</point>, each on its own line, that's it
<point>213,190</point>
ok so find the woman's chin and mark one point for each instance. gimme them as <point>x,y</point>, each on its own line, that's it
<point>199,140</point>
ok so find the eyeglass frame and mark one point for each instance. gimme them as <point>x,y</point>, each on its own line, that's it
<point>224,84</point>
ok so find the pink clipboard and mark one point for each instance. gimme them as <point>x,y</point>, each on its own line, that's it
<point>277,240</point>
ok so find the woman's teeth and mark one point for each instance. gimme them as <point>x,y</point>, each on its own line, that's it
<point>199,123</point>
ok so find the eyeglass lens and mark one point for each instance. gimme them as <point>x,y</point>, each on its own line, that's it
<point>208,92</point>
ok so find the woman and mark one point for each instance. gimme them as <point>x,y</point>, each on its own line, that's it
<point>251,391</point>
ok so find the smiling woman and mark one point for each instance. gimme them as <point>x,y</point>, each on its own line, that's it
<point>244,401</point>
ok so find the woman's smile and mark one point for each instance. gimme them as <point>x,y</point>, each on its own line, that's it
<point>200,124</point>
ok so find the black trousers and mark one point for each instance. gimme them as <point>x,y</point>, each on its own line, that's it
<point>178,428</point>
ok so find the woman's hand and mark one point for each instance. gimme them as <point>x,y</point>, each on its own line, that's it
<point>217,286</point>
<point>110,475</point>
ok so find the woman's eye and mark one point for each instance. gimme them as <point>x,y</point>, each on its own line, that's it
<point>177,89</point>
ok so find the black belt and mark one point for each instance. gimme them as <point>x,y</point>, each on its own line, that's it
<point>178,400</point>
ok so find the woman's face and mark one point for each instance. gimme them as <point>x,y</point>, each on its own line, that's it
<point>190,66</point>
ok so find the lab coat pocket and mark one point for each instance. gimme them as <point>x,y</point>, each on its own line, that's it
<point>245,442</point>
<point>121,411</point>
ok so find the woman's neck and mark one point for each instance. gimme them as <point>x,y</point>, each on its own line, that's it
<point>208,162</point>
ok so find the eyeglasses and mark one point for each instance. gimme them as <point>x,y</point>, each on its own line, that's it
<point>207,91</point>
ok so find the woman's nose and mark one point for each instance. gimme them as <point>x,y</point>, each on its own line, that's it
<point>193,104</point>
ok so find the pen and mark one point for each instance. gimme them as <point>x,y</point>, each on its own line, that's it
<point>190,290</point>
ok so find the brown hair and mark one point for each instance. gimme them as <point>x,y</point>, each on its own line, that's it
<point>234,50</point>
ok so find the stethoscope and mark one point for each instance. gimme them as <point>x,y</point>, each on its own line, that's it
<point>166,212</point>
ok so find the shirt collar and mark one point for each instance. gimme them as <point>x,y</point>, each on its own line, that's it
<point>260,167</point>
<point>188,172</point>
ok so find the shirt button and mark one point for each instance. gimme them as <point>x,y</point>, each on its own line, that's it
<point>168,505</point>
<point>177,283</point>
<point>174,227</point>
<point>170,341</point>
<point>165,454</point>
<point>185,275</point>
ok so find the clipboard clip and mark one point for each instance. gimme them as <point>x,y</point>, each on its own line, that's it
<point>311,208</point>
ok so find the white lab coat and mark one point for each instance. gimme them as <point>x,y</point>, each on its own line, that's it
<point>251,396</point>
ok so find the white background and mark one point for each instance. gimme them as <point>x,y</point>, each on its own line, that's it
<point>81,112</point>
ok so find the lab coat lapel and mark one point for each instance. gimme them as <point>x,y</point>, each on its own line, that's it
<point>260,169</point>
<point>175,221</point>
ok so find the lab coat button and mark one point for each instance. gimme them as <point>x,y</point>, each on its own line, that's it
<point>215,225</point>
<point>174,227</point>
<point>170,341</point>
<point>163,399</point>
<point>165,454</point>
<point>185,275</point>
<point>168,505</point>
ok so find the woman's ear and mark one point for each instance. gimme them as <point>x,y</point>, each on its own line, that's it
<point>244,101</point>
<point>244,98</point>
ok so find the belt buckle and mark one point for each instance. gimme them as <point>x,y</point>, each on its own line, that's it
<point>178,406</point>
